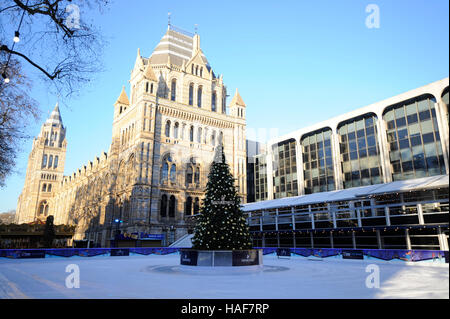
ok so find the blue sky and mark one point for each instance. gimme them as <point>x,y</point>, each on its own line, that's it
<point>295,62</point>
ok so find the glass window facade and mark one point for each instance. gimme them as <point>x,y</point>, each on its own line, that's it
<point>284,169</point>
<point>413,138</point>
<point>445,99</point>
<point>318,162</point>
<point>261,192</point>
<point>360,151</point>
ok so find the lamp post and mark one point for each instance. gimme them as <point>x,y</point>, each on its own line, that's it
<point>116,237</point>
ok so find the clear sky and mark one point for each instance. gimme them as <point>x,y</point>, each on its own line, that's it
<point>295,62</point>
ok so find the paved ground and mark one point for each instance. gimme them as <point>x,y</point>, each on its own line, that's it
<point>160,277</point>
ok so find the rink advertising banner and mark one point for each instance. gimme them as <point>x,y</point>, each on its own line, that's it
<point>245,257</point>
<point>188,257</point>
<point>120,252</point>
<point>352,254</point>
<point>32,253</point>
<point>284,252</point>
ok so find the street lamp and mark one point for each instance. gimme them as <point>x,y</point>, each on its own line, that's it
<point>118,222</point>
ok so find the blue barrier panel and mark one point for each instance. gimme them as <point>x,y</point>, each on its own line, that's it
<point>284,252</point>
<point>62,252</point>
<point>141,250</point>
<point>92,252</point>
<point>267,250</point>
<point>326,252</point>
<point>305,252</point>
<point>382,254</point>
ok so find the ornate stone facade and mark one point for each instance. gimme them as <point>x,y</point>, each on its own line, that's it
<point>163,141</point>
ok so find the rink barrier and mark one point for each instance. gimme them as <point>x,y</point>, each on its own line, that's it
<point>85,252</point>
<point>318,253</point>
<point>344,253</point>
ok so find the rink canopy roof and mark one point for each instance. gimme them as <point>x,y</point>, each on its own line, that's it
<point>354,193</point>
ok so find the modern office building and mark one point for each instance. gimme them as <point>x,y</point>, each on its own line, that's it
<point>253,148</point>
<point>379,169</point>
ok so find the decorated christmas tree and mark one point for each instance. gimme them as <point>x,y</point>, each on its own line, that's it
<point>221,224</point>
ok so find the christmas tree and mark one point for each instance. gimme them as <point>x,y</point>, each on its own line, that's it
<point>221,224</point>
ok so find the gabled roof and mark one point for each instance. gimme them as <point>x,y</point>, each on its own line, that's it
<point>149,74</point>
<point>237,99</point>
<point>123,98</point>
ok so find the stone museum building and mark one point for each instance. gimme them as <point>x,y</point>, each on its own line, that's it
<point>164,135</point>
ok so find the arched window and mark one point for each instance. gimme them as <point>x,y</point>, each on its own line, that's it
<point>221,138</point>
<point>197,175</point>
<point>191,94</point>
<point>55,164</point>
<point>415,148</point>
<point>192,68</point>
<point>191,134</point>
<point>183,127</point>
<point>173,173</point>
<point>213,138</point>
<point>173,90</point>
<point>199,97</point>
<point>44,187</point>
<point>189,173</point>
<point>44,160</point>
<point>50,161</point>
<point>151,88</point>
<point>165,172</point>
<point>206,136</point>
<point>172,207</point>
<point>146,87</point>
<point>167,131</point>
<point>224,108</point>
<point>188,207</point>
<point>196,206</point>
<point>163,207</point>
<point>43,208</point>
<point>213,102</point>
<point>166,164</point>
<point>49,188</point>
<point>199,135</point>
<point>196,70</point>
<point>175,130</point>
<point>201,71</point>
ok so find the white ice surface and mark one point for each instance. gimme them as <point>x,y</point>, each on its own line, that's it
<point>156,276</point>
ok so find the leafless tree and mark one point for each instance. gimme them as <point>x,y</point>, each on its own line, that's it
<point>17,108</point>
<point>58,43</point>
<point>57,39</point>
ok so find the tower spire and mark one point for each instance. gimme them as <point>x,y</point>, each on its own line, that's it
<point>55,116</point>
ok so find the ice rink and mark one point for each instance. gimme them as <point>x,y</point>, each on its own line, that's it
<point>156,276</point>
